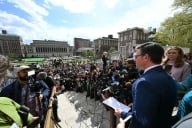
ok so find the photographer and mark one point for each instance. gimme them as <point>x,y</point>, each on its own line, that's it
<point>133,72</point>
<point>42,92</point>
<point>52,96</point>
<point>10,111</point>
<point>104,59</point>
<point>20,91</point>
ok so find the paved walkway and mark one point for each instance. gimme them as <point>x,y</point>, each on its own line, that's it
<point>76,111</point>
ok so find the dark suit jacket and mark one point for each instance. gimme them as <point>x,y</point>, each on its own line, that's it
<point>154,96</point>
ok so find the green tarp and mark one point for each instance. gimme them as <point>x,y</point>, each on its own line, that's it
<point>33,59</point>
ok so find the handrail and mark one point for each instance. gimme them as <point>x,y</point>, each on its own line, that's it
<point>49,123</point>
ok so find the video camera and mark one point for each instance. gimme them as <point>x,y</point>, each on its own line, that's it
<point>34,85</point>
<point>112,90</point>
<point>23,112</point>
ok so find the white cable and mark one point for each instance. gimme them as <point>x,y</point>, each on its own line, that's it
<point>127,118</point>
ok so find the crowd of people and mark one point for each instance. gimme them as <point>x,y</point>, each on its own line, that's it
<point>32,89</point>
<point>150,82</point>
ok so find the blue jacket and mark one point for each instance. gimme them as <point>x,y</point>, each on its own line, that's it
<point>185,106</point>
<point>186,84</point>
<point>154,96</point>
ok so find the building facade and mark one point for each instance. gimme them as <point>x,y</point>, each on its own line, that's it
<point>11,45</point>
<point>130,38</point>
<point>81,44</point>
<point>48,48</point>
<point>105,44</point>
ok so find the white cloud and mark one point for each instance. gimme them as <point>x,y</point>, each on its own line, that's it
<point>31,31</point>
<point>35,12</point>
<point>74,6</point>
<point>11,20</point>
<point>111,3</point>
<point>70,34</point>
<point>150,14</point>
<point>30,7</point>
<point>20,26</point>
<point>36,27</point>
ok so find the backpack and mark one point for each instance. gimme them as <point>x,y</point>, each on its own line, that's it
<point>185,122</point>
<point>10,113</point>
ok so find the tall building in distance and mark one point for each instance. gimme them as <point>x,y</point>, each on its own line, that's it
<point>81,45</point>
<point>105,44</point>
<point>48,48</point>
<point>129,38</point>
<point>11,45</point>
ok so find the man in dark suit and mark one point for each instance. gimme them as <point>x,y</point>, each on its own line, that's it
<point>154,93</point>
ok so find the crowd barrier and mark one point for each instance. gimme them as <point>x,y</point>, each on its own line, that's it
<point>49,123</point>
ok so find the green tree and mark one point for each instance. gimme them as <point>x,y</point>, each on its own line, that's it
<point>88,53</point>
<point>112,50</point>
<point>177,30</point>
<point>185,5</point>
<point>84,53</point>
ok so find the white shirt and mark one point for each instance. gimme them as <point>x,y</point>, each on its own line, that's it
<point>151,67</point>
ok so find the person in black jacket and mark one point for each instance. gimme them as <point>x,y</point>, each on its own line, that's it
<point>52,96</point>
<point>104,59</point>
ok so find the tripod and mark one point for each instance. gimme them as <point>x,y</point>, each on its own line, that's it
<point>39,103</point>
<point>40,113</point>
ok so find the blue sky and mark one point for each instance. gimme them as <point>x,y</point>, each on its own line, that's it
<point>90,19</point>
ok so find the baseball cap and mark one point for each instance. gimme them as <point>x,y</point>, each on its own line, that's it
<point>22,67</point>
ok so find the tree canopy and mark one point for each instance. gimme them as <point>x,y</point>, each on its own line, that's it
<point>177,30</point>
<point>185,5</point>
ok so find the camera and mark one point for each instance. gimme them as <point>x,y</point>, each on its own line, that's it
<point>112,90</point>
<point>34,85</point>
<point>23,112</point>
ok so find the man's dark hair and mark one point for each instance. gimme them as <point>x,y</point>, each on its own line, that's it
<point>154,50</point>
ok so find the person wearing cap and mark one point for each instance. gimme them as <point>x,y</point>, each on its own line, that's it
<point>9,115</point>
<point>14,90</point>
<point>21,92</point>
